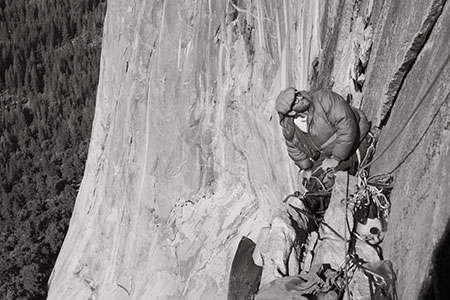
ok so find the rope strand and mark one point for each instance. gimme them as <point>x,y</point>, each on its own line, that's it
<point>416,108</point>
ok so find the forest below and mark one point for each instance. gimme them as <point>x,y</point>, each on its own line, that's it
<point>50,58</point>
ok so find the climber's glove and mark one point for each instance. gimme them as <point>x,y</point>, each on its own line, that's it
<point>329,163</point>
<point>304,175</point>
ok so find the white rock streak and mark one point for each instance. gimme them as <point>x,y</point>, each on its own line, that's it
<point>186,153</point>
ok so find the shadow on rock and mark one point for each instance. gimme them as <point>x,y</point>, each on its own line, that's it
<point>438,284</point>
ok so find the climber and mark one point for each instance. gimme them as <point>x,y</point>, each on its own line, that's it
<point>322,131</point>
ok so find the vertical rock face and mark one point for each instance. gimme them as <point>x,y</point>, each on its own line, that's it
<point>187,156</point>
<point>403,30</point>
<point>420,157</point>
<point>186,153</point>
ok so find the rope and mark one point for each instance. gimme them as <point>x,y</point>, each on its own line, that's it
<point>298,194</point>
<point>320,182</point>
<point>359,263</point>
<point>370,150</point>
<point>346,250</point>
<point>368,194</point>
<point>411,151</point>
<point>317,221</point>
<point>351,259</point>
<point>422,136</point>
<point>416,108</point>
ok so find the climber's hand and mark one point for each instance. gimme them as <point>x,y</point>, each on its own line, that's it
<point>329,163</point>
<point>304,175</point>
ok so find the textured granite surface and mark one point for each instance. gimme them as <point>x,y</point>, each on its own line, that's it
<point>187,156</point>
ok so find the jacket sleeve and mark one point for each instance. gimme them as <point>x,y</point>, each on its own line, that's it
<point>298,156</point>
<point>288,126</point>
<point>364,124</point>
<point>341,116</point>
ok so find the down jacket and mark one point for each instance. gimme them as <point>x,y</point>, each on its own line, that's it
<point>334,128</point>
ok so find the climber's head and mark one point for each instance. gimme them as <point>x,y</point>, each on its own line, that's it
<point>301,104</point>
<point>292,102</point>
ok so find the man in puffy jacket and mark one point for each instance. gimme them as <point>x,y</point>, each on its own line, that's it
<point>320,128</point>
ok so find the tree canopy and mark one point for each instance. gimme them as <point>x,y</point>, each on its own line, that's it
<point>49,65</point>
